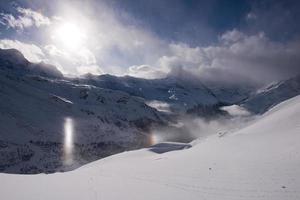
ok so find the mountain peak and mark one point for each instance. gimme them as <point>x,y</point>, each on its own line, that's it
<point>12,56</point>
<point>14,60</point>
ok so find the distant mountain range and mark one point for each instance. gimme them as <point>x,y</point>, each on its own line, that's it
<point>42,112</point>
<point>181,92</point>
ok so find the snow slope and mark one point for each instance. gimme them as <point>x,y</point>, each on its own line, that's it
<point>260,161</point>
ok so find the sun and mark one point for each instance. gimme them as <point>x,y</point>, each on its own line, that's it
<point>69,35</point>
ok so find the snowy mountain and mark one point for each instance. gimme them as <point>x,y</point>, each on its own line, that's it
<point>12,61</point>
<point>46,117</point>
<point>260,161</point>
<point>273,94</point>
<point>177,93</point>
<point>186,94</point>
<point>42,114</point>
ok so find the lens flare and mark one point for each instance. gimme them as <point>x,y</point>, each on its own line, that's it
<point>68,140</point>
<point>154,139</point>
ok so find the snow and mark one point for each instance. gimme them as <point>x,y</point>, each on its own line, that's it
<point>260,161</point>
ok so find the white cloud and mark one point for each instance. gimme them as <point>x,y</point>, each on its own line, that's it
<point>145,71</point>
<point>30,51</point>
<point>235,110</point>
<point>115,44</point>
<point>73,62</point>
<point>160,106</point>
<point>25,19</point>
<point>38,18</point>
<point>78,63</point>
<point>232,36</point>
<point>85,57</point>
<point>111,44</point>
<point>54,51</point>
<point>93,69</point>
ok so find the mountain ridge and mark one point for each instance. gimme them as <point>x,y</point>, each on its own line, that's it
<point>104,114</point>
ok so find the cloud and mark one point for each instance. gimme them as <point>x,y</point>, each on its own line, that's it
<point>117,44</point>
<point>54,51</point>
<point>236,110</point>
<point>26,18</point>
<point>126,46</point>
<point>85,57</point>
<point>145,71</point>
<point>160,106</point>
<point>30,51</point>
<point>121,46</point>
<point>232,36</point>
<point>115,39</point>
<point>93,69</point>
<point>86,62</point>
<point>73,62</point>
<point>78,63</point>
<point>237,58</point>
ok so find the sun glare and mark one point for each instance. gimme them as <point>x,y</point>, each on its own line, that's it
<point>70,35</point>
<point>68,141</point>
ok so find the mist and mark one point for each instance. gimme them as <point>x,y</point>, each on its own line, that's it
<point>189,128</point>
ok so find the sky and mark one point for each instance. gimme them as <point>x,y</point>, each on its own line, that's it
<point>233,41</point>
